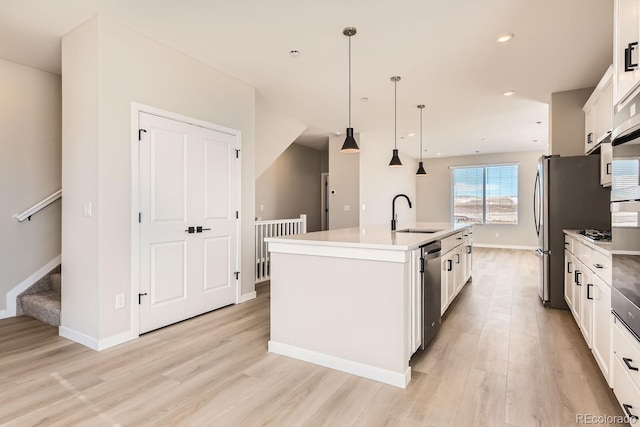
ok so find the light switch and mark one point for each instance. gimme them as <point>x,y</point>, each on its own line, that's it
<point>364,207</point>
<point>261,208</point>
<point>347,208</point>
<point>86,209</point>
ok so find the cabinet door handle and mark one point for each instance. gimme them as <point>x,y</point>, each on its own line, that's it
<point>569,263</point>
<point>627,409</point>
<point>578,275</point>
<point>608,168</point>
<point>589,287</point>
<point>457,258</point>
<point>598,265</point>
<point>589,137</point>
<point>468,249</point>
<point>627,362</point>
<point>449,265</point>
<point>628,57</point>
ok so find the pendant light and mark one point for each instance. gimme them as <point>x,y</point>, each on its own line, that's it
<point>421,171</point>
<point>395,160</point>
<point>350,145</point>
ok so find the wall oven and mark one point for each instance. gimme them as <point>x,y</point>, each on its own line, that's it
<point>625,213</point>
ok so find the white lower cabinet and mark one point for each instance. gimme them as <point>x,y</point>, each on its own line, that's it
<point>587,291</point>
<point>626,365</point>
<point>586,305</point>
<point>416,301</point>
<point>601,333</point>
<point>456,266</point>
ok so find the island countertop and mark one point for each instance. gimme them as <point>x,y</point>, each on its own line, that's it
<point>375,237</point>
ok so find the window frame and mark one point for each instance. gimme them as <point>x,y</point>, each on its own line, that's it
<point>484,190</point>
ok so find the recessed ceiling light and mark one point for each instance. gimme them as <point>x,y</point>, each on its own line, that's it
<point>509,92</point>
<point>438,154</point>
<point>337,133</point>
<point>364,99</point>
<point>294,53</point>
<point>410,134</point>
<point>505,37</point>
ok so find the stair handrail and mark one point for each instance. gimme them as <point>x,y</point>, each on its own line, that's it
<point>39,206</point>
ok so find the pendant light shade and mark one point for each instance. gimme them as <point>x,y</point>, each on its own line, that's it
<point>395,159</point>
<point>350,145</point>
<point>421,171</point>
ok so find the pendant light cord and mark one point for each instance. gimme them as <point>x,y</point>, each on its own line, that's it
<point>395,116</point>
<point>349,81</point>
<point>421,134</point>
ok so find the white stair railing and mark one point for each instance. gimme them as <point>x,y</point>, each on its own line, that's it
<point>39,206</point>
<point>274,228</point>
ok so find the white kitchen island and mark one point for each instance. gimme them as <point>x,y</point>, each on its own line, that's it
<point>346,298</point>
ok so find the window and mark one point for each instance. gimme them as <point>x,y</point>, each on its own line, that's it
<point>485,194</point>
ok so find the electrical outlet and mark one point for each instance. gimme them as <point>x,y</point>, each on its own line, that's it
<point>87,209</point>
<point>120,301</point>
<point>347,208</point>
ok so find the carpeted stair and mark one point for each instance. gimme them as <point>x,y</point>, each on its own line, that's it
<point>42,300</point>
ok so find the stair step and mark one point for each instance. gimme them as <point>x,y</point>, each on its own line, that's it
<point>43,306</point>
<point>56,282</point>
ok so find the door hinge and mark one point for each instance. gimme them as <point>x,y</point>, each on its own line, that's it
<point>237,214</point>
<point>237,153</point>
<point>139,217</point>
<point>237,273</point>
<point>140,132</point>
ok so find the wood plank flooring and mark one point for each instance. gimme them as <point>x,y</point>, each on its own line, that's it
<point>500,359</point>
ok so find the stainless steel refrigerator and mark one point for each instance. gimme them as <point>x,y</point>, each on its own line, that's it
<point>567,195</point>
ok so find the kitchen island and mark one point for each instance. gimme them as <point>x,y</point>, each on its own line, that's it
<point>348,298</point>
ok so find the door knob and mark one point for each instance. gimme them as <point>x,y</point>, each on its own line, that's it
<point>199,229</point>
<point>190,230</point>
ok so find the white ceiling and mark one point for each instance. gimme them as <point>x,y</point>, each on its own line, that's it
<point>445,52</point>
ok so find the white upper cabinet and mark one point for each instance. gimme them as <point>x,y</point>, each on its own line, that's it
<point>598,111</point>
<point>625,50</point>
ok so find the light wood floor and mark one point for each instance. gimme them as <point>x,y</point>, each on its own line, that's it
<point>500,359</point>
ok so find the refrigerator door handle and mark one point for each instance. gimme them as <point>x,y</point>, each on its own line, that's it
<point>536,206</point>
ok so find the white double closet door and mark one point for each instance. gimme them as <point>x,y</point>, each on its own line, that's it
<point>188,178</point>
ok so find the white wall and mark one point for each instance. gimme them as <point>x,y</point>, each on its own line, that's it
<point>291,187</point>
<point>435,192</point>
<point>379,183</point>
<point>274,133</point>
<point>344,185</point>
<point>30,131</point>
<point>106,67</point>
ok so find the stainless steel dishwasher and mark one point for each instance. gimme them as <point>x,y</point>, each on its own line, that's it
<point>431,305</point>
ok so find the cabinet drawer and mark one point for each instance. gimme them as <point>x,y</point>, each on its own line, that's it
<point>452,241</point>
<point>627,393</point>
<point>585,253</point>
<point>568,243</point>
<point>626,352</point>
<point>601,265</point>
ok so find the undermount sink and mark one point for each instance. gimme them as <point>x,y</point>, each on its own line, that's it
<point>415,230</point>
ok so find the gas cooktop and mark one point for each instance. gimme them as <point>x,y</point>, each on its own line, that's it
<point>596,235</point>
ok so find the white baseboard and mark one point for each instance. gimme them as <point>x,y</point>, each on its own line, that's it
<point>485,245</point>
<point>396,379</point>
<point>93,343</point>
<point>10,311</point>
<point>247,297</point>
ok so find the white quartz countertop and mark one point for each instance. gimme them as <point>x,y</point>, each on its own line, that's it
<point>603,247</point>
<point>376,237</point>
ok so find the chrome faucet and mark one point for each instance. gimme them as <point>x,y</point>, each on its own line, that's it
<point>393,210</point>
